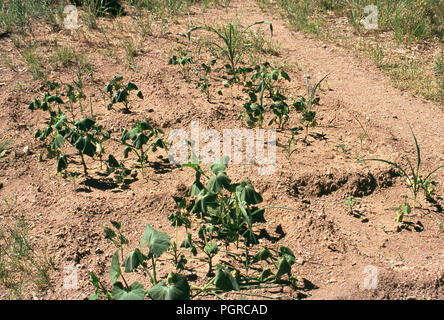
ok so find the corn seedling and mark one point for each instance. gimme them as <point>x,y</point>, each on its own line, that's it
<point>230,43</point>
<point>414,179</point>
<point>289,149</point>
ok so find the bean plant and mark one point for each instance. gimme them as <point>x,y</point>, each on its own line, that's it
<point>141,139</point>
<point>176,285</point>
<point>183,60</point>
<point>203,83</point>
<point>305,106</point>
<point>84,134</point>
<point>264,96</point>
<point>120,93</point>
<point>225,212</point>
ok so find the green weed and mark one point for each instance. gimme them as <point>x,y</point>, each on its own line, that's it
<point>23,268</point>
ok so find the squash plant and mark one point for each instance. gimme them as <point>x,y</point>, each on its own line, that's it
<point>120,93</point>
<point>85,135</point>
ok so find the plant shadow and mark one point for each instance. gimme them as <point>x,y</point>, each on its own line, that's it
<point>410,226</point>
<point>279,231</point>
<point>104,184</point>
<point>162,166</point>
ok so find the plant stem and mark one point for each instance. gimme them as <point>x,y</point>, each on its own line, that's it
<point>83,164</point>
<point>154,270</point>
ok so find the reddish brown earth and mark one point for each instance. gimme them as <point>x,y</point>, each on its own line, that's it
<point>332,246</point>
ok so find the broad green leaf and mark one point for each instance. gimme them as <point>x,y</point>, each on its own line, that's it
<point>109,88</point>
<point>203,201</point>
<point>287,254</point>
<point>224,280</point>
<point>180,202</point>
<point>116,224</point>
<point>131,86</point>
<point>196,188</point>
<point>158,242</point>
<point>60,123</point>
<point>117,79</point>
<point>283,267</point>
<point>253,96</point>
<point>285,75</point>
<point>247,193</point>
<point>177,289</point>
<point>262,254</point>
<point>218,181</point>
<point>141,139</point>
<point>275,74</point>
<point>133,260</point>
<point>58,141</point>
<point>34,105</point>
<point>56,99</point>
<point>114,271</point>
<point>211,249</point>
<point>145,125</point>
<point>219,166</point>
<point>62,163</point>
<point>109,233</point>
<point>123,239</point>
<point>84,145</point>
<point>85,124</point>
<point>188,243</point>
<point>112,161</point>
<point>126,152</point>
<point>120,96</point>
<point>134,292</point>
